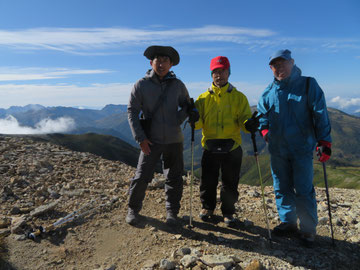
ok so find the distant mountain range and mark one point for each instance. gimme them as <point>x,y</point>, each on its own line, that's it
<point>343,167</point>
<point>352,109</point>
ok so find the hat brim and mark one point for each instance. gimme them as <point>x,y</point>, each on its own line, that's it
<point>152,51</point>
<point>277,57</point>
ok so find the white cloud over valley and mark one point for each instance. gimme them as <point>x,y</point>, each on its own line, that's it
<point>343,103</point>
<point>10,125</point>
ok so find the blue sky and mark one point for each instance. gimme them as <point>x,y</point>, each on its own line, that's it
<point>90,52</point>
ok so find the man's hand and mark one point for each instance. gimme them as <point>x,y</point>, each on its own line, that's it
<point>194,116</point>
<point>323,150</point>
<point>252,124</point>
<point>145,146</point>
<point>193,113</point>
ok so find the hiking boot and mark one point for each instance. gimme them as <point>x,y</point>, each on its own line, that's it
<point>229,220</point>
<point>285,229</point>
<point>307,239</point>
<point>171,219</point>
<point>132,218</point>
<point>205,214</point>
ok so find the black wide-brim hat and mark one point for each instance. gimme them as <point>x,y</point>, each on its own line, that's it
<point>153,51</point>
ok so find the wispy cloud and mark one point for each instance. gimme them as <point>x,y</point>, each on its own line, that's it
<point>10,125</point>
<point>87,39</point>
<point>116,39</point>
<point>25,74</point>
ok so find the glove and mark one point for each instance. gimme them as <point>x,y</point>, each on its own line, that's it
<point>193,113</point>
<point>194,116</point>
<point>252,124</point>
<point>323,150</point>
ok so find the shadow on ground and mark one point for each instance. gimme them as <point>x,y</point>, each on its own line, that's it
<point>323,255</point>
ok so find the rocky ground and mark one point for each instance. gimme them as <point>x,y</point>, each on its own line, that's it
<point>41,183</point>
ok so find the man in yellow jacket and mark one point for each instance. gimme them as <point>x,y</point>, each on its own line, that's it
<point>223,111</point>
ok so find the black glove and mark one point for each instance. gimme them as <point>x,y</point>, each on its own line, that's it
<point>252,124</point>
<point>193,113</point>
<point>194,116</point>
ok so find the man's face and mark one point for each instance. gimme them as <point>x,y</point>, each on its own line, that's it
<point>282,68</point>
<point>161,65</point>
<point>220,76</point>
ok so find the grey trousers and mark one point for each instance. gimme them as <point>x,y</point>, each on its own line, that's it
<point>173,167</point>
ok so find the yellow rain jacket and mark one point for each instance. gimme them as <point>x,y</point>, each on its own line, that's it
<point>223,112</point>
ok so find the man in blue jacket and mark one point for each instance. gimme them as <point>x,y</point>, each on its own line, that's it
<point>294,122</point>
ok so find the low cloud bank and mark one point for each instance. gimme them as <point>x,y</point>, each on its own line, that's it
<point>343,103</point>
<point>10,125</point>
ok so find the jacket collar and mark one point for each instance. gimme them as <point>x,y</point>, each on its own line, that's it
<point>219,90</point>
<point>150,74</point>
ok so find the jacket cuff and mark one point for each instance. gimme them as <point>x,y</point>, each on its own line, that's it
<point>264,132</point>
<point>325,143</point>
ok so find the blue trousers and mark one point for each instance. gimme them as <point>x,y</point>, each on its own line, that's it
<point>173,168</point>
<point>294,190</point>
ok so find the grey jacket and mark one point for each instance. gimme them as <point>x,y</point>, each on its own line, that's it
<point>165,126</point>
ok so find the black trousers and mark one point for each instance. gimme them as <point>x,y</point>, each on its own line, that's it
<point>173,168</point>
<point>229,164</point>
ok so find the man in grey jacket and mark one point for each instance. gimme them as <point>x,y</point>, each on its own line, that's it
<point>164,138</point>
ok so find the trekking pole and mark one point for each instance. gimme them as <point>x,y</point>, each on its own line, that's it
<point>192,125</point>
<point>70,217</point>
<point>261,181</point>
<point>328,203</point>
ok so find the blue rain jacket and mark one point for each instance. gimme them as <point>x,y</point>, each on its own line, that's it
<point>296,120</point>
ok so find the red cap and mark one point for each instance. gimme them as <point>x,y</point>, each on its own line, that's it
<point>219,62</point>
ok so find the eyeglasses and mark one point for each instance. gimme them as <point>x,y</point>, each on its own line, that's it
<point>280,63</point>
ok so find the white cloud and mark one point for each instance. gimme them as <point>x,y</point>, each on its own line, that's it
<point>25,74</point>
<point>10,125</point>
<point>113,40</point>
<point>83,40</point>
<point>343,103</point>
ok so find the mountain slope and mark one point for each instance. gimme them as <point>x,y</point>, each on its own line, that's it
<point>106,146</point>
